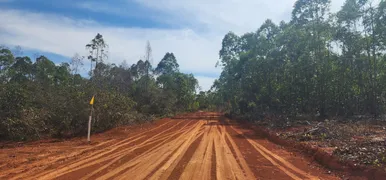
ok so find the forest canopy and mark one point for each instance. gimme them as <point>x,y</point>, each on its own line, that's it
<point>40,98</point>
<point>330,64</point>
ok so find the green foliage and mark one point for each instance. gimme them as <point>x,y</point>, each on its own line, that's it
<point>96,49</point>
<point>167,65</point>
<point>111,109</point>
<point>333,64</point>
<point>39,98</point>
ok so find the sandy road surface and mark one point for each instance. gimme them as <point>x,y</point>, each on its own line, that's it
<point>199,147</point>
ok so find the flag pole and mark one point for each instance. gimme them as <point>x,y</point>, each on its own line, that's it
<point>89,119</point>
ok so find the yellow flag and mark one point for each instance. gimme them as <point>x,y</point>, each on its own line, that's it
<point>92,100</point>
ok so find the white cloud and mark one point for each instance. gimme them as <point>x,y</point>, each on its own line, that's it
<point>64,36</point>
<point>196,45</point>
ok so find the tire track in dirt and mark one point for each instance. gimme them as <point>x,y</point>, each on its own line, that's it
<point>52,159</point>
<point>147,163</point>
<point>159,143</point>
<point>248,173</point>
<point>167,150</point>
<point>23,172</point>
<point>95,157</point>
<point>227,166</point>
<point>187,149</point>
<point>58,158</point>
<point>225,163</point>
<point>119,155</point>
<point>166,170</point>
<point>284,165</point>
<point>199,166</point>
<point>179,169</point>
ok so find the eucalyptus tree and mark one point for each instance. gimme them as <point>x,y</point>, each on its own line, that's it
<point>331,63</point>
<point>97,50</point>
<point>167,65</point>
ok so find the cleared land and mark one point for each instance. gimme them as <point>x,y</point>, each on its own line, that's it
<point>195,146</point>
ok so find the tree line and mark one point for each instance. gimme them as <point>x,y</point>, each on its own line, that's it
<point>330,64</point>
<point>40,98</point>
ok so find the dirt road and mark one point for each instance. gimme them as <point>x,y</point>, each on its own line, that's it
<point>196,147</point>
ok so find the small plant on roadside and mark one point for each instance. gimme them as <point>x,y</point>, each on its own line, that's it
<point>376,163</point>
<point>323,136</point>
<point>307,137</point>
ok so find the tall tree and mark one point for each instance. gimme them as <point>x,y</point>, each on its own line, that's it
<point>167,65</point>
<point>97,49</point>
<point>331,63</point>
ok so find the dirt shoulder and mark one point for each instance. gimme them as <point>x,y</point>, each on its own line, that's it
<point>357,147</point>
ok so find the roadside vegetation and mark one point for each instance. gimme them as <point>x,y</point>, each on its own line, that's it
<point>40,98</point>
<point>319,79</point>
<point>322,66</point>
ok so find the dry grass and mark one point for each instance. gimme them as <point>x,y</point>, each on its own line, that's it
<point>363,142</point>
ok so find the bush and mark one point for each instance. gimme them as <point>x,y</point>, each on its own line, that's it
<point>41,98</point>
<point>111,109</point>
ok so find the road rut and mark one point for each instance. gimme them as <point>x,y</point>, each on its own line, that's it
<point>201,147</point>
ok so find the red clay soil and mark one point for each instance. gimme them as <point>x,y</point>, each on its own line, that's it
<point>345,169</point>
<point>201,146</point>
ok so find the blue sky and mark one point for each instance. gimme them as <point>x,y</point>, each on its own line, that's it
<point>191,29</point>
